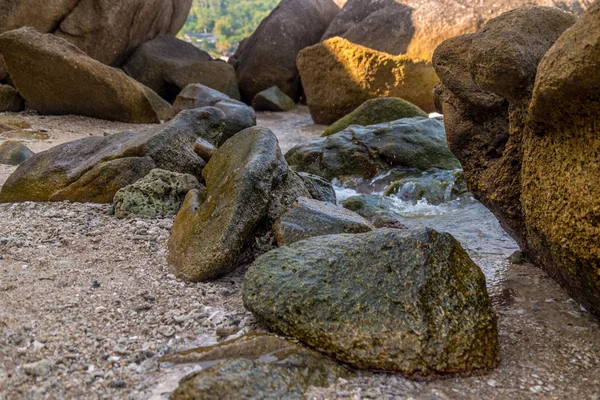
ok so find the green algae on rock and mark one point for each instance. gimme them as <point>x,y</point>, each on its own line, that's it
<point>158,194</point>
<point>410,302</point>
<point>365,151</point>
<point>377,111</point>
<point>253,367</point>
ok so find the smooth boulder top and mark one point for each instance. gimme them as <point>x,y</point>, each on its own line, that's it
<point>309,218</point>
<point>377,111</point>
<point>368,150</point>
<point>410,302</point>
<point>95,168</point>
<point>14,153</point>
<point>55,77</point>
<point>106,30</point>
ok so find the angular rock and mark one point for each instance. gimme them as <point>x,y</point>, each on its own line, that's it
<point>204,149</point>
<point>255,366</point>
<point>319,188</point>
<point>10,99</point>
<point>417,27</point>
<point>273,99</point>
<point>268,57</point>
<point>159,194</point>
<point>377,111</point>
<point>152,61</point>
<point>338,76</point>
<point>217,75</point>
<point>533,159</point>
<point>375,209</point>
<point>243,181</point>
<point>309,218</point>
<point>14,153</point>
<point>55,77</point>
<point>410,302</point>
<point>366,151</point>
<point>106,30</point>
<point>238,116</point>
<point>83,169</point>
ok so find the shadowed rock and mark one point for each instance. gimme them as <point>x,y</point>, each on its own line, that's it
<point>319,188</point>
<point>375,209</point>
<point>10,99</point>
<point>55,77</point>
<point>217,75</point>
<point>273,99</point>
<point>410,302</point>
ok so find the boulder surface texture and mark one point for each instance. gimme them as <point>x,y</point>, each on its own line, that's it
<point>524,124</point>
<point>93,169</point>
<point>55,77</point>
<point>410,302</point>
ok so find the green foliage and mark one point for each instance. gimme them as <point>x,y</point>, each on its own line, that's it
<point>231,20</point>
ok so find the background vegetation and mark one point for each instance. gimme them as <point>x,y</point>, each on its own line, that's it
<point>229,20</point>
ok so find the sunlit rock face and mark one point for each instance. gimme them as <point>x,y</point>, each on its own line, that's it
<point>524,124</point>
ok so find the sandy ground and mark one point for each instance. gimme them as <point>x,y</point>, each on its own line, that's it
<point>87,304</point>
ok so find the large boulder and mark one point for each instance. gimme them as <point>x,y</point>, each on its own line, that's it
<point>417,27</point>
<point>268,57</point>
<point>273,99</point>
<point>368,150</point>
<point>153,60</point>
<point>14,153</point>
<point>410,302</point>
<point>338,76</point>
<point>377,111</point>
<point>525,129</point>
<point>247,183</point>
<point>307,218</point>
<point>55,77</point>
<point>255,367</point>
<point>238,115</point>
<point>106,30</point>
<point>10,99</point>
<point>217,75</point>
<point>93,169</point>
<point>157,195</point>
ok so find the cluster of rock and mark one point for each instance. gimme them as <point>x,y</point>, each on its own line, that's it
<point>521,104</point>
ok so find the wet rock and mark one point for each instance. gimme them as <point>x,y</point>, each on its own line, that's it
<point>204,149</point>
<point>108,31</point>
<point>420,289</point>
<point>55,77</point>
<point>255,366</point>
<point>268,57</point>
<point>338,76</point>
<point>309,218</point>
<point>435,187</point>
<point>10,99</point>
<point>217,75</point>
<point>238,116</point>
<point>375,209</point>
<point>243,180</point>
<point>273,99</point>
<point>39,368</point>
<point>366,151</point>
<point>520,153</point>
<point>82,169</point>
<point>157,195</point>
<point>376,111</point>
<point>152,61</point>
<point>14,153</point>
<point>319,188</point>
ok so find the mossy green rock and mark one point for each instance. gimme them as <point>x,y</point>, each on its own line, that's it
<point>273,99</point>
<point>308,218</point>
<point>93,169</point>
<point>248,182</point>
<point>377,111</point>
<point>365,151</point>
<point>256,367</point>
<point>376,209</point>
<point>158,194</point>
<point>411,302</point>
